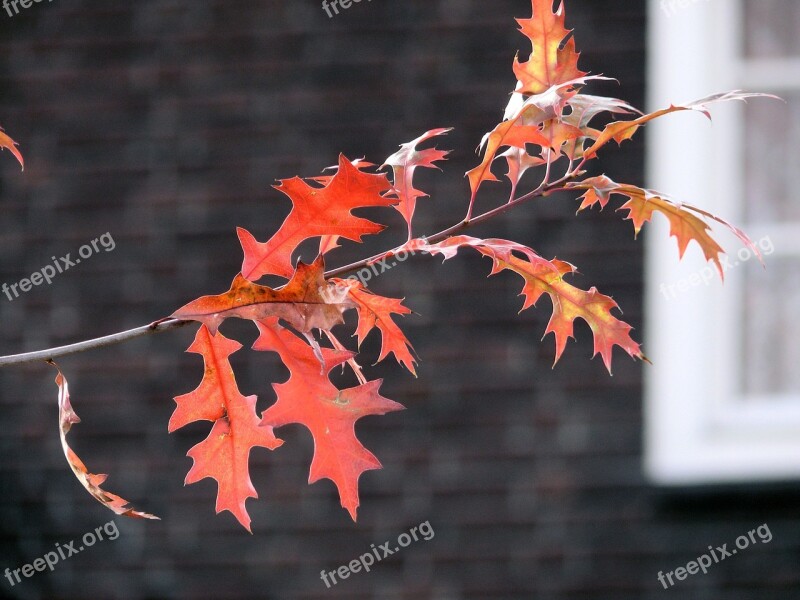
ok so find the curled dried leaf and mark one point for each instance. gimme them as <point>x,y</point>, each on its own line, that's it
<point>90,481</point>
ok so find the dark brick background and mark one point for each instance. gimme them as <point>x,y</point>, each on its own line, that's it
<point>164,122</point>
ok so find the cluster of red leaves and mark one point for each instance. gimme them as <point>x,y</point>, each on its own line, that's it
<point>287,318</point>
<point>548,125</point>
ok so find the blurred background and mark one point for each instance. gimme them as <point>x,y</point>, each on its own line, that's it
<point>165,122</point>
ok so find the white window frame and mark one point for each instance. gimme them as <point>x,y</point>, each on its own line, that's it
<point>699,428</point>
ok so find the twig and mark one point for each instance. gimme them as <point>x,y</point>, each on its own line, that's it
<point>108,340</point>
<point>168,324</point>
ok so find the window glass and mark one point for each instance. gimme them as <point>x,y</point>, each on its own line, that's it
<point>772,159</point>
<point>771,28</point>
<point>772,327</point>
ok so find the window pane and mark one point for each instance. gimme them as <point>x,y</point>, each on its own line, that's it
<point>771,28</point>
<point>772,327</point>
<point>772,155</point>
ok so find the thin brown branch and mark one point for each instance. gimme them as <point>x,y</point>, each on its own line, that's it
<point>108,340</point>
<point>168,324</point>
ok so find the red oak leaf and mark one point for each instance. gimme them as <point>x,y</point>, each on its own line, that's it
<point>686,224</point>
<point>316,212</point>
<point>307,302</point>
<point>567,134</point>
<point>90,481</point>
<point>521,127</point>
<point>552,61</point>
<point>543,276</point>
<point>570,303</point>
<point>583,108</point>
<point>376,311</point>
<point>10,145</point>
<point>331,242</point>
<point>519,161</point>
<point>224,455</point>
<point>404,163</point>
<point>529,121</point>
<point>619,131</point>
<point>310,399</point>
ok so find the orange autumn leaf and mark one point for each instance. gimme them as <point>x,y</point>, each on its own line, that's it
<point>544,276</point>
<point>224,455</point>
<point>10,145</point>
<point>619,131</point>
<point>686,222</point>
<point>376,311</point>
<point>306,302</point>
<point>552,60</point>
<point>316,212</point>
<point>310,399</point>
<point>519,162</point>
<point>523,124</point>
<point>404,164</point>
<point>90,481</point>
<point>567,134</point>
<point>583,108</point>
<point>570,303</point>
<point>331,242</point>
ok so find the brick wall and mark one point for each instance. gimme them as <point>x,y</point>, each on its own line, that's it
<point>164,122</point>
